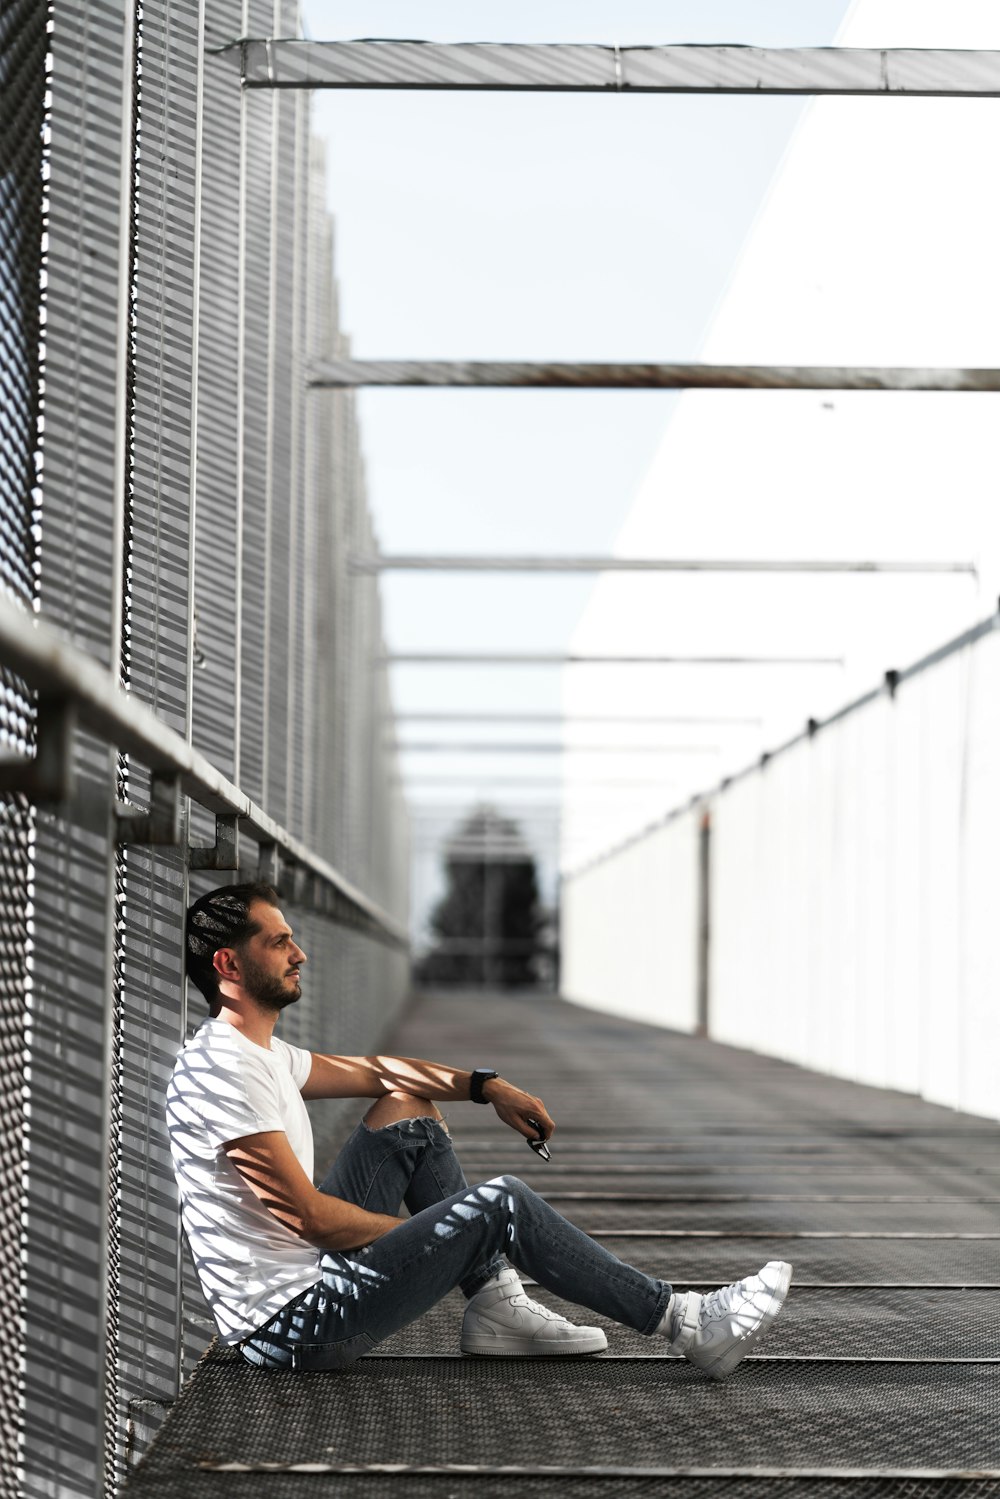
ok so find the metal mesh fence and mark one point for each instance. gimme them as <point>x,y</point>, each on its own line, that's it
<point>23,47</point>
<point>194,497</point>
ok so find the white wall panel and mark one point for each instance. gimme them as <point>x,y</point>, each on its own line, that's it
<point>854,892</point>
<point>905,878</point>
<point>630,929</point>
<point>979,953</point>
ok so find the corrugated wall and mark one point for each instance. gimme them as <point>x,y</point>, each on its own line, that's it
<point>195,512</point>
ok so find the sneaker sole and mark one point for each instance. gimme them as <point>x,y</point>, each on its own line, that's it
<point>515,1348</point>
<point>725,1365</point>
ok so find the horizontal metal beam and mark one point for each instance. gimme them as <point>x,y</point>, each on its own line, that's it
<point>482,855</point>
<point>587,68</point>
<point>481,564</point>
<point>543,747</point>
<point>554,658</point>
<point>55,668</point>
<point>346,374</point>
<point>485,782</point>
<point>476,945</point>
<point>470,1471</point>
<point>568,719</point>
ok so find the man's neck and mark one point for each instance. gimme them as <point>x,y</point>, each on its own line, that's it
<point>247,1018</point>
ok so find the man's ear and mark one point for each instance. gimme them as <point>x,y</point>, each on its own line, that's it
<point>225,964</point>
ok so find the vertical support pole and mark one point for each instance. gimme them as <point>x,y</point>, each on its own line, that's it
<point>182,1013</point>
<point>240,476</point>
<point>298,560</point>
<point>704,919</point>
<point>107,1291</point>
<point>272,343</point>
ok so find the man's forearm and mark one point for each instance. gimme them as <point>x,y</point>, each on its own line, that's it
<point>372,1077</point>
<point>338,1225</point>
<point>435,1080</point>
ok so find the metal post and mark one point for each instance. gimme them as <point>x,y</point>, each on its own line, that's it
<point>107,1289</point>
<point>240,476</point>
<point>182,1013</point>
<point>272,338</point>
<point>704,919</point>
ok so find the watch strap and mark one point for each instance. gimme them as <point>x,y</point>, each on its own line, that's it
<point>480,1077</point>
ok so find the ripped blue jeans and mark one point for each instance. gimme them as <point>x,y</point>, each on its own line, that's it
<point>457,1236</point>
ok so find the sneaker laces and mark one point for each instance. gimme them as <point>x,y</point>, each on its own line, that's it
<point>535,1306</point>
<point>719,1303</point>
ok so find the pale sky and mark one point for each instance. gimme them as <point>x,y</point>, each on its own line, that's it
<point>541,227</point>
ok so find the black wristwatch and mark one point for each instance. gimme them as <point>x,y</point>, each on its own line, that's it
<point>477,1082</point>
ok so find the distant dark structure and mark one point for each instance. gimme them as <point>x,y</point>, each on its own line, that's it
<point>489,928</point>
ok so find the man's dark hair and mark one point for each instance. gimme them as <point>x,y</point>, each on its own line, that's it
<point>221,919</point>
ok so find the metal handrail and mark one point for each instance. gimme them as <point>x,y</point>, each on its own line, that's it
<point>63,674</point>
<point>887,687</point>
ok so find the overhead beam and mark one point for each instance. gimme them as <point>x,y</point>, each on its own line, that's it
<point>348,374</point>
<point>412,562</point>
<point>273,62</point>
<point>554,658</point>
<point>568,718</point>
<point>543,747</point>
<point>484,782</point>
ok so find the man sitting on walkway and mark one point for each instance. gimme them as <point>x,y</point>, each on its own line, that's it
<point>303,1278</point>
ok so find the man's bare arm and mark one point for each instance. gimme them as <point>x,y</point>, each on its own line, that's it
<point>271,1168</point>
<point>372,1077</point>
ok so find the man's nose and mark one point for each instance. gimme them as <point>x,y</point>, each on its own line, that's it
<point>300,956</point>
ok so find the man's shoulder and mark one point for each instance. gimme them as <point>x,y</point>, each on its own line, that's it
<point>213,1047</point>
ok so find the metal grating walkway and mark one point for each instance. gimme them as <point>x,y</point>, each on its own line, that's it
<point>697,1162</point>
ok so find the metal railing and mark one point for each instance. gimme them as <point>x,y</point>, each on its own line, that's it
<point>76,692</point>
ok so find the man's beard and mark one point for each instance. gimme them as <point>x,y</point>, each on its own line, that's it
<point>266,991</point>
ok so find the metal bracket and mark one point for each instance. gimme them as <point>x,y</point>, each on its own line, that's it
<point>268,864</point>
<point>48,775</point>
<point>293,883</point>
<point>225,853</point>
<point>161,823</point>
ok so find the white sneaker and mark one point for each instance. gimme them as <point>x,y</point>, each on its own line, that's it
<point>502,1319</point>
<point>715,1332</point>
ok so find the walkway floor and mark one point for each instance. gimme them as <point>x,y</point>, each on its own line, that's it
<point>696,1162</point>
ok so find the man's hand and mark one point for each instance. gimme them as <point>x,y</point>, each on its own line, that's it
<point>515,1107</point>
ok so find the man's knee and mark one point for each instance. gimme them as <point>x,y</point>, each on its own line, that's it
<point>392,1107</point>
<point>513,1185</point>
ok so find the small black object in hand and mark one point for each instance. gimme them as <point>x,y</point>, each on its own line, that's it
<point>539,1146</point>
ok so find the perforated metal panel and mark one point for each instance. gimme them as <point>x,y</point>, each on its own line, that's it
<point>187,543</point>
<point>22,68</point>
<point>74,978</point>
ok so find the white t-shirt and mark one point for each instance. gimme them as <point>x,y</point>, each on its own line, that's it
<point>223,1087</point>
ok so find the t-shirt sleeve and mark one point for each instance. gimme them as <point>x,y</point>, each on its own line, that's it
<point>299,1061</point>
<point>240,1098</point>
